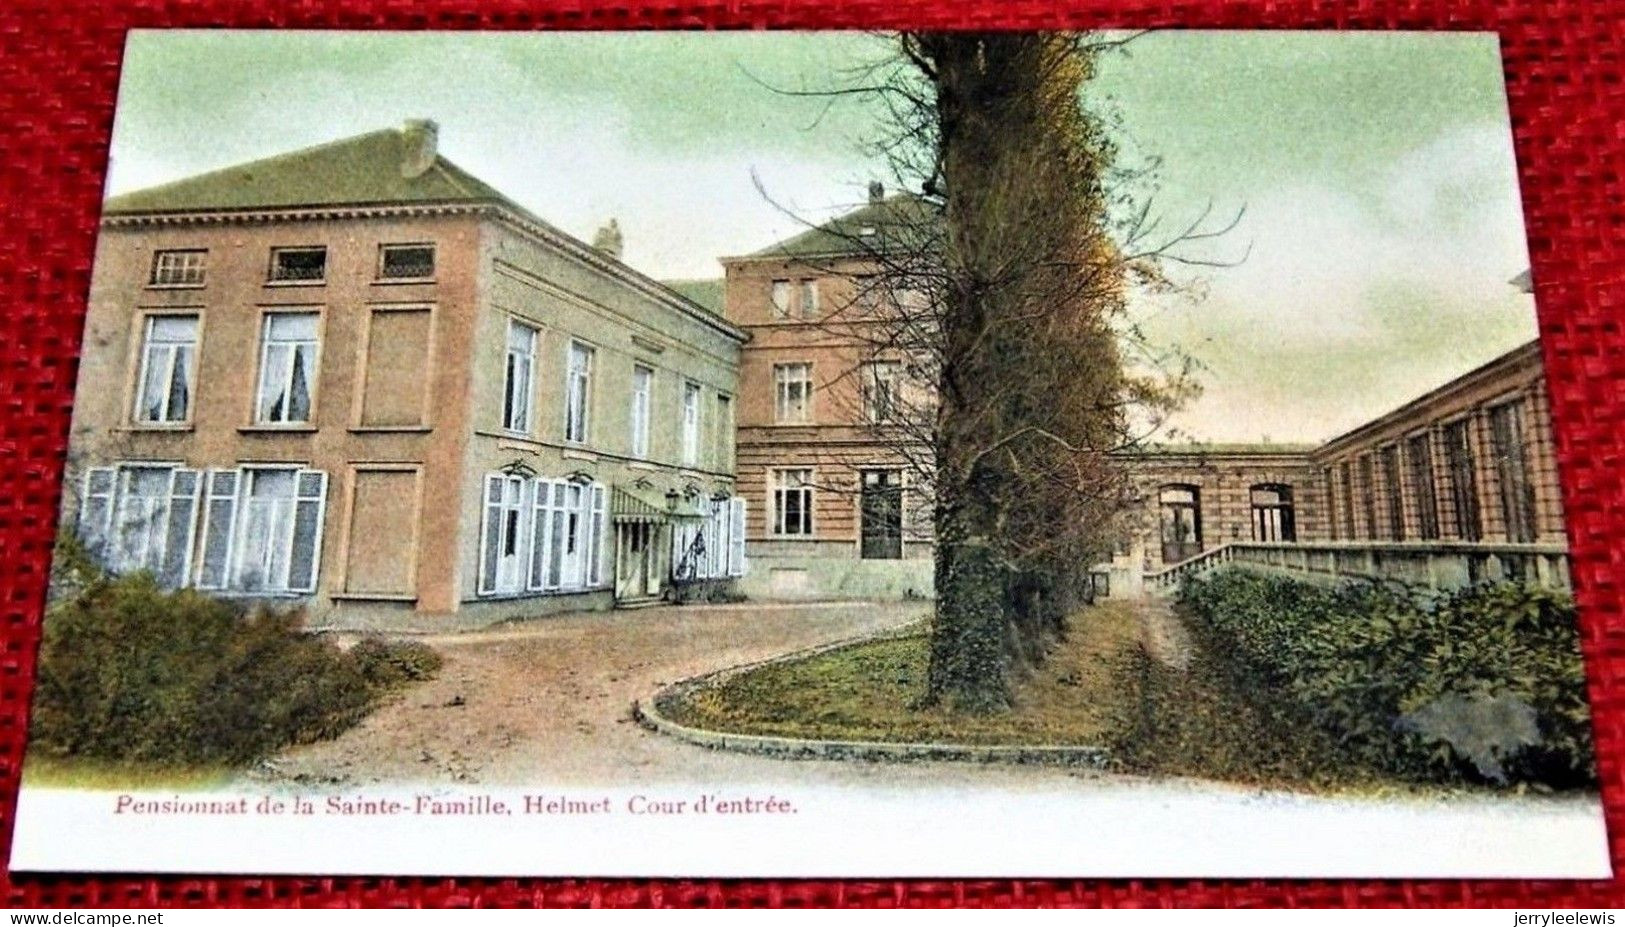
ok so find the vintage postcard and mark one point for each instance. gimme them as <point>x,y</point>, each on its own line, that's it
<point>812,454</point>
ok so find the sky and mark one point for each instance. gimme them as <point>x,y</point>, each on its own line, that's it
<point>1373,172</point>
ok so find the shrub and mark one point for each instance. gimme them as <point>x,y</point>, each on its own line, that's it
<point>131,672</point>
<point>1484,683</point>
<point>387,664</point>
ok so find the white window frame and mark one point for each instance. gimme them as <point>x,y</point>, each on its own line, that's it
<point>578,392</point>
<point>246,475</point>
<point>778,489</point>
<point>312,376</point>
<point>544,508</point>
<point>736,546</point>
<point>782,383</point>
<point>101,534</point>
<point>520,505</point>
<point>169,350</point>
<point>179,268</point>
<point>519,378</point>
<point>643,378</point>
<point>691,423</point>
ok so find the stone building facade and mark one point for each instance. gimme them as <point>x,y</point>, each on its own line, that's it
<point>358,378</point>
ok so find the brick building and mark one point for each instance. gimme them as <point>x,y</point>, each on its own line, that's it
<point>1471,461</point>
<point>837,516</point>
<point>1457,485</point>
<point>357,377</point>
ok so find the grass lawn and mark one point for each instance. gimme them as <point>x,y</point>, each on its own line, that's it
<point>866,692</point>
<point>47,772</point>
<point>1099,687</point>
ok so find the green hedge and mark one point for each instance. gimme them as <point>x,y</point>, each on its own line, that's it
<point>1481,684</point>
<point>132,672</point>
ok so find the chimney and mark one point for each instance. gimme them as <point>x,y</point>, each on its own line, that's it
<point>877,192</point>
<point>608,239</point>
<point>419,141</point>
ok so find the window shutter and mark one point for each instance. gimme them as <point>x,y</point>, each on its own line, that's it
<point>736,553</point>
<point>219,523</point>
<point>180,528</point>
<point>539,527</point>
<point>490,533</point>
<point>96,510</point>
<point>596,549</point>
<point>310,505</point>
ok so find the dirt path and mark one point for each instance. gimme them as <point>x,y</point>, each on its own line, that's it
<point>548,701</point>
<point>1166,637</point>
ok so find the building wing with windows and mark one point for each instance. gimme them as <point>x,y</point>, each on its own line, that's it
<point>358,377</point>
<point>1460,483</point>
<point>832,513</point>
<point>1457,486</point>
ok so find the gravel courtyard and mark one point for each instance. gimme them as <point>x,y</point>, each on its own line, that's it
<point>549,700</point>
<point>544,705</point>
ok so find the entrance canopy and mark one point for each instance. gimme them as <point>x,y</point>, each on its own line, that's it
<point>637,506</point>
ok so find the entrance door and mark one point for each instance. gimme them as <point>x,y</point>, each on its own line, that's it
<point>631,570</point>
<point>1181,517</point>
<point>635,570</point>
<point>881,508</point>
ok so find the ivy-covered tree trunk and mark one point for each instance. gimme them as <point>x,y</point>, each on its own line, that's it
<point>1029,380</point>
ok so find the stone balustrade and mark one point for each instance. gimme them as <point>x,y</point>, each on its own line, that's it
<point>1438,564</point>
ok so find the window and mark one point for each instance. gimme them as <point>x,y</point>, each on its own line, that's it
<point>712,547</point>
<point>880,391</point>
<point>405,262</point>
<point>724,432</point>
<point>781,299</point>
<point>1180,514</point>
<point>181,268</point>
<point>642,393</point>
<point>1512,472</point>
<point>880,508</point>
<point>1419,457</point>
<point>1346,481</point>
<point>262,530</point>
<point>541,535</point>
<point>1458,451</point>
<point>691,424</point>
<point>141,517</point>
<point>502,536</point>
<point>168,351</point>
<point>792,502</point>
<point>578,393</point>
<point>809,299</point>
<point>1273,517</point>
<point>792,384</point>
<point>1396,494</point>
<point>1368,495</point>
<point>516,384</point>
<point>1328,478</point>
<point>287,368</point>
<point>298,265</point>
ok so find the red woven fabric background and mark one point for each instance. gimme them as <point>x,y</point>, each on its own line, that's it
<point>1565,65</point>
